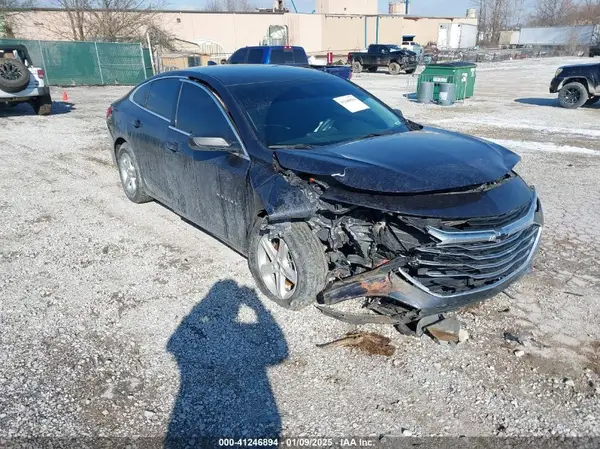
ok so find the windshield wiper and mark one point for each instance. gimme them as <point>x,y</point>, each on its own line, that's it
<point>295,146</point>
<point>368,136</point>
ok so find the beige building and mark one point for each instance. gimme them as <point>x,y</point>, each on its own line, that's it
<point>353,7</point>
<point>317,33</point>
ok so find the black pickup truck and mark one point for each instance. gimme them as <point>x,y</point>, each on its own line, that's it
<point>576,85</point>
<point>396,59</point>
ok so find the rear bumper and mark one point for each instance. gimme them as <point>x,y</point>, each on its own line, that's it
<point>24,95</point>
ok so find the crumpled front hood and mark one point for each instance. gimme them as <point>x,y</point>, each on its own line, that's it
<point>410,162</point>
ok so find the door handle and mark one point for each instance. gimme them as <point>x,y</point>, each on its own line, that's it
<point>136,123</point>
<point>172,147</point>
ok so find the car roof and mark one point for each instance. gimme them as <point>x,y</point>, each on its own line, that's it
<point>274,47</point>
<point>234,74</point>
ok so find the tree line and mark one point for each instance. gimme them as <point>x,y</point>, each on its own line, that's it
<point>499,15</point>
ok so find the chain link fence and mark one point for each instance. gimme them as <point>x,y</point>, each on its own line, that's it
<point>88,63</point>
<point>497,54</point>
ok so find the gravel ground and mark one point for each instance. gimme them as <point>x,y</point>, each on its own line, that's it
<point>123,320</point>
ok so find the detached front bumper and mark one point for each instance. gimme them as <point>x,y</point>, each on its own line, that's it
<point>412,301</point>
<point>390,282</point>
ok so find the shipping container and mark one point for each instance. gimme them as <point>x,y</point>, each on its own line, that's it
<point>457,35</point>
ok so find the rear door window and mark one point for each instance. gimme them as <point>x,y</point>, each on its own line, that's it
<point>282,56</point>
<point>141,94</point>
<point>255,56</point>
<point>199,115</point>
<point>163,97</point>
<point>239,57</point>
<point>300,56</point>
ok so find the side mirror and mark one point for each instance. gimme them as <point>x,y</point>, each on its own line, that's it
<point>399,112</point>
<point>211,62</point>
<point>209,143</point>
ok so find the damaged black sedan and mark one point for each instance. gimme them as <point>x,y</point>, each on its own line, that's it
<point>330,194</point>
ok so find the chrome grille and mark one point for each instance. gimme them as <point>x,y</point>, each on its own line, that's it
<point>463,261</point>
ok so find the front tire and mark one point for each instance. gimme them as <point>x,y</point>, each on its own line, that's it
<point>573,95</point>
<point>394,68</point>
<point>129,172</point>
<point>290,268</point>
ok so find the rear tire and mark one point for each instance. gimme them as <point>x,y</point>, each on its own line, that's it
<point>573,95</point>
<point>394,68</point>
<point>131,178</point>
<point>357,67</point>
<point>302,257</point>
<point>42,105</point>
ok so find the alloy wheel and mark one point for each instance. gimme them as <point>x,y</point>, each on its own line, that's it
<point>128,173</point>
<point>276,266</point>
<point>572,95</point>
<point>9,71</point>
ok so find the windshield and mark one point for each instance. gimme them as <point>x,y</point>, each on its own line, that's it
<point>310,112</point>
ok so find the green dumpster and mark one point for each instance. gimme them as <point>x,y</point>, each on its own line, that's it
<point>461,74</point>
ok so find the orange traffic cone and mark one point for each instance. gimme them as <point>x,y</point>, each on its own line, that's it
<point>65,96</point>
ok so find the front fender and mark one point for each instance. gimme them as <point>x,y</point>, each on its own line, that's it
<point>281,198</point>
<point>591,89</point>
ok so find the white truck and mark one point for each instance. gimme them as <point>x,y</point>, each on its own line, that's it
<point>21,82</point>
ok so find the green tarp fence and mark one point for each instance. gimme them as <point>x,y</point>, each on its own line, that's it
<point>88,63</point>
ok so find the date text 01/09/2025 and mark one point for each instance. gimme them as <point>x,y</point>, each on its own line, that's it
<point>296,442</point>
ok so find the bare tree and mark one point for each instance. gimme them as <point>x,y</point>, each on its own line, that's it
<point>496,16</point>
<point>108,20</point>
<point>10,11</point>
<point>589,12</point>
<point>565,12</point>
<point>554,12</point>
<point>229,6</point>
<point>213,6</point>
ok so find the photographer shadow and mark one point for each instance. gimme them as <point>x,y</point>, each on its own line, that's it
<point>223,348</point>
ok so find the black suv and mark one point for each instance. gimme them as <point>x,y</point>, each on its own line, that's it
<point>577,85</point>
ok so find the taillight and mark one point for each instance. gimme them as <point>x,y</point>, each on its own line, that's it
<point>41,74</point>
<point>109,112</point>
<point>348,57</point>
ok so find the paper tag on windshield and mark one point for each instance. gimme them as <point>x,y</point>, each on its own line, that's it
<point>351,103</point>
